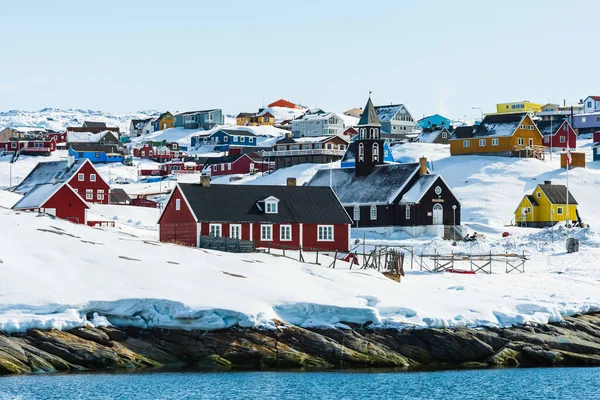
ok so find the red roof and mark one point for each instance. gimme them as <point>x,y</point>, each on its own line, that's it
<point>283,103</point>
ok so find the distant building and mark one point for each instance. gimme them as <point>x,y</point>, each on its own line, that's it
<point>518,107</point>
<point>586,123</point>
<point>591,104</point>
<point>204,119</point>
<point>510,135</point>
<point>97,153</point>
<point>546,206</point>
<point>94,124</point>
<point>434,121</point>
<point>316,150</point>
<point>434,135</point>
<point>317,124</point>
<point>354,112</point>
<point>29,145</point>
<point>557,112</point>
<point>557,134</point>
<point>139,127</point>
<point>395,119</point>
<point>104,137</point>
<point>234,164</point>
<point>283,103</point>
<point>259,119</point>
<point>164,121</point>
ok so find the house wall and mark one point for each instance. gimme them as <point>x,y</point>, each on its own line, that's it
<point>341,239</point>
<point>530,214</point>
<point>586,123</point>
<point>68,205</point>
<point>178,226</point>
<point>434,120</point>
<point>543,213</point>
<point>240,166</point>
<point>568,135</point>
<point>577,160</point>
<point>520,106</point>
<point>167,119</point>
<point>424,209</point>
<point>82,186</point>
<point>591,105</point>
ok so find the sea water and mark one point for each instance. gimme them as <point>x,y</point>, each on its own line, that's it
<point>535,383</point>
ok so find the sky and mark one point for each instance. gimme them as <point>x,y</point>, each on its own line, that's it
<point>434,56</point>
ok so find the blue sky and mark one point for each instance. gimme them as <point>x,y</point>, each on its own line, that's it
<point>433,56</point>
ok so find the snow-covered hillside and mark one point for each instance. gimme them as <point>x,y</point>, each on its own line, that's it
<point>58,120</point>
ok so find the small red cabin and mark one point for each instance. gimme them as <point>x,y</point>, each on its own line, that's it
<point>234,164</point>
<point>557,134</point>
<point>58,199</point>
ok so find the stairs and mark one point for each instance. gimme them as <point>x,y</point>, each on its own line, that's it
<point>453,232</point>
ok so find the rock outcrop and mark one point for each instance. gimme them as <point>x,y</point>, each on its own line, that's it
<point>575,342</point>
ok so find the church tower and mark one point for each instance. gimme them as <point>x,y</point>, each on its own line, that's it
<point>369,145</point>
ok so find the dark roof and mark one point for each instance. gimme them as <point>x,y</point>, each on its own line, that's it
<point>139,123</point>
<point>197,112</point>
<point>557,194</point>
<point>297,204</point>
<point>463,132</point>
<point>498,125</point>
<point>119,196</point>
<point>532,200</point>
<point>92,129</point>
<point>381,186</point>
<point>369,116</point>
<point>238,132</point>
<point>106,148</point>
<point>245,114</point>
<point>49,172</point>
<point>222,159</point>
<point>94,124</point>
<point>549,128</point>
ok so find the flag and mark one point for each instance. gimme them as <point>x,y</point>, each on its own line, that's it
<point>569,158</point>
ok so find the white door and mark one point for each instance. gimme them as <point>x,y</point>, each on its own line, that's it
<point>438,214</point>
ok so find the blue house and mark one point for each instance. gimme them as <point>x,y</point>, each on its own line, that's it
<point>205,119</point>
<point>596,152</point>
<point>97,153</point>
<point>434,121</point>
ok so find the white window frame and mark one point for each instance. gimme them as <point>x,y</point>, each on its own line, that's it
<point>466,143</point>
<point>285,233</point>
<point>237,227</point>
<point>563,139</point>
<point>407,212</point>
<point>177,204</point>
<point>530,127</point>
<point>266,232</point>
<point>323,232</point>
<point>80,177</point>
<point>373,212</point>
<point>356,213</point>
<point>375,155</point>
<point>92,177</point>
<point>271,207</point>
<point>539,195</point>
<point>521,141</point>
<point>89,194</point>
<point>495,141</point>
<point>482,142</point>
<point>235,138</point>
<point>100,194</point>
<point>361,152</point>
<point>215,228</point>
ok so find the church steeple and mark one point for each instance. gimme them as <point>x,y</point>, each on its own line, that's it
<point>369,146</point>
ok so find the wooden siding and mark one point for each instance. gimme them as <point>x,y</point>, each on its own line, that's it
<point>178,226</point>
<point>68,205</point>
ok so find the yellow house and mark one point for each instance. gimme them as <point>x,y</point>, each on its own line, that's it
<point>243,118</point>
<point>519,106</point>
<point>249,119</point>
<point>511,135</point>
<point>546,206</point>
<point>164,121</point>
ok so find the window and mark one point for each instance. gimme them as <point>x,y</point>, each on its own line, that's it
<point>92,177</point>
<point>530,141</point>
<point>481,142</point>
<point>589,104</point>
<point>524,127</point>
<point>565,128</point>
<point>466,143</point>
<point>563,139</point>
<point>361,152</point>
<point>225,138</point>
<point>356,212</point>
<point>407,212</point>
<point>271,207</point>
<point>215,167</point>
<point>229,166</point>
<point>559,210</point>
<point>375,156</point>
<point>325,233</point>
<point>285,232</point>
<point>373,212</point>
<point>100,195</point>
<point>235,138</point>
<point>215,230</point>
<point>89,194</point>
<point>266,232</point>
<point>495,142</point>
<point>97,154</point>
<point>13,145</point>
<point>539,195</point>
<point>444,135</point>
<point>546,140</point>
<point>235,230</point>
<point>80,177</point>
<point>177,204</point>
<point>521,141</point>
<point>583,119</point>
<point>528,210</point>
<point>242,139</point>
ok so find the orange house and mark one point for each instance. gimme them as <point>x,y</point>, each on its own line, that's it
<point>510,135</point>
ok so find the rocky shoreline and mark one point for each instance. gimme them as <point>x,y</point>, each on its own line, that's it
<point>574,342</point>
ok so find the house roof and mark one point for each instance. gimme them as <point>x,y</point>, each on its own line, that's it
<point>42,193</point>
<point>532,200</point>
<point>103,148</point>
<point>140,123</point>
<point>297,204</point>
<point>197,112</point>
<point>49,172</point>
<point>237,132</point>
<point>549,128</point>
<point>597,98</point>
<point>418,190</point>
<point>94,124</point>
<point>429,135</point>
<point>557,194</point>
<point>369,116</point>
<point>118,195</point>
<point>245,115</point>
<point>223,159</point>
<point>387,113</point>
<point>88,137</point>
<point>494,125</point>
<point>381,186</point>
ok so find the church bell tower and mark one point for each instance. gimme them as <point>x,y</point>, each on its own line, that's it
<point>369,145</point>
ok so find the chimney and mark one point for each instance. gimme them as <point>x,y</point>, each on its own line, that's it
<point>423,166</point>
<point>291,181</point>
<point>205,180</point>
<point>547,182</point>
<point>288,135</point>
<point>70,160</point>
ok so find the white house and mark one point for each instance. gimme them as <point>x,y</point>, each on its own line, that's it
<point>591,104</point>
<point>395,119</point>
<point>318,124</point>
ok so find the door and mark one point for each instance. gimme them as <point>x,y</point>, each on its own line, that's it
<point>438,214</point>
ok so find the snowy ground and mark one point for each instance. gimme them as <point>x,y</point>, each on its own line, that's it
<point>97,270</point>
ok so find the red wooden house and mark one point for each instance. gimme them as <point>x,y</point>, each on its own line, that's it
<point>234,164</point>
<point>350,132</point>
<point>557,134</point>
<point>81,175</point>
<point>59,137</point>
<point>275,216</point>
<point>29,145</point>
<point>58,199</point>
<point>158,152</point>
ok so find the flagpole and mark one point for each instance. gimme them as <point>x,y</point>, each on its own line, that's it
<point>568,167</point>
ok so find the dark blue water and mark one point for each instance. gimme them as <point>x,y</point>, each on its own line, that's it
<point>558,383</point>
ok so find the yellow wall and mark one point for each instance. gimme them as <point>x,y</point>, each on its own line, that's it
<point>542,212</point>
<point>504,108</point>
<point>241,121</point>
<point>166,119</point>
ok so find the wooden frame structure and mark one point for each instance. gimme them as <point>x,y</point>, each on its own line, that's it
<point>437,262</point>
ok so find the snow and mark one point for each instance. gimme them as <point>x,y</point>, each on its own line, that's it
<point>419,188</point>
<point>37,196</point>
<point>179,135</point>
<point>122,276</point>
<point>85,137</point>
